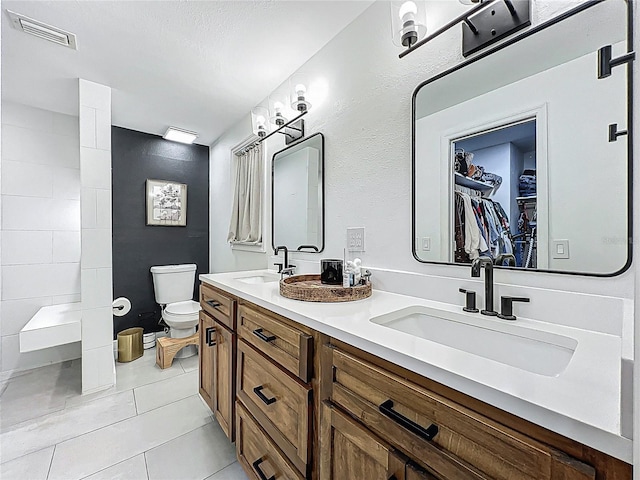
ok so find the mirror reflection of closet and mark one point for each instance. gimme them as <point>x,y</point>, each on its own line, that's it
<point>534,113</point>
<point>496,172</point>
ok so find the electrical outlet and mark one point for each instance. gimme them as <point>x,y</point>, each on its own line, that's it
<point>355,239</point>
<point>426,244</point>
<point>560,249</point>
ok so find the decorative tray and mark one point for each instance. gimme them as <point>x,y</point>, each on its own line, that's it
<point>308,288</point>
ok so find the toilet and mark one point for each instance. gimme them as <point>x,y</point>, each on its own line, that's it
<point>173,286</point>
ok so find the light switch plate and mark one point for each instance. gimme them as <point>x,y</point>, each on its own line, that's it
<point>355,239</point>
<point>560,249</point>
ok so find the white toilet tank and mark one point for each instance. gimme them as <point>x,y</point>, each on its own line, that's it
<point>173,283</point>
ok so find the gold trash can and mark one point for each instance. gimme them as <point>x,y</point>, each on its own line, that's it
<point>130,344</point>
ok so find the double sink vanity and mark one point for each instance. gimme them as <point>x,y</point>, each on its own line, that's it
<point>401,387</point>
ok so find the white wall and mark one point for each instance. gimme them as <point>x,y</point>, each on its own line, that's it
<point>98,369</point>
<point>40,225</point>
<point>366,119</point>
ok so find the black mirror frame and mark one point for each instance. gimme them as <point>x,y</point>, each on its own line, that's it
<point>528,33</point>
<point>294,249</point>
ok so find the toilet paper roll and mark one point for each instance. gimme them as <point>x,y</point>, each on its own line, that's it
<point>121,306</point>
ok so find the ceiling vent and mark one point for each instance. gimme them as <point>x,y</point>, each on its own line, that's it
<point>42,30</point>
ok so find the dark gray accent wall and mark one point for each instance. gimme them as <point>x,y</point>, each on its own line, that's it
<point>136,157</point>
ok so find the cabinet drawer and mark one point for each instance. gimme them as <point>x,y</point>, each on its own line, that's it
<point>464,443</point>
<point>259,457</point>
<point>218,305</point>
<point>286,345</point>
<point>278,402</point>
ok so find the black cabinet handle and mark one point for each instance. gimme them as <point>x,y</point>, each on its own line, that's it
<point>207,336</point>
<point>267,338</point>
<point>262,396</point>
<point>427,433</point>
<point>212,303</point>
<point>256,467</point>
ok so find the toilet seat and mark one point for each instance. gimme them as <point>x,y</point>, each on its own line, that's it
<point>181,313</point>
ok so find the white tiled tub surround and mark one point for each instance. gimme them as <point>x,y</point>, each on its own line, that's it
<point>95,203</point>
<point>40,225</point>
<point>568,403</point>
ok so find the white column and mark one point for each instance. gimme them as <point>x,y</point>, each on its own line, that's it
<point>98,368</point>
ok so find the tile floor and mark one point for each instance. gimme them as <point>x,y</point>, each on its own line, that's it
<point>151,425</point>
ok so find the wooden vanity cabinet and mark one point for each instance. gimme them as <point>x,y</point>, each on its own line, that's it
<point>274,382</point>
<point>218,356</point>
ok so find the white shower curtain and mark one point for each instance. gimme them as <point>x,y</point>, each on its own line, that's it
<point>246,213</point>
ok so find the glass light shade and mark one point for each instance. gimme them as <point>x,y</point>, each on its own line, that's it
<point>469,2</point>
<point>259,121</point>
<point>299,98</point>
<point>408,22</point>
<point>278,109</point>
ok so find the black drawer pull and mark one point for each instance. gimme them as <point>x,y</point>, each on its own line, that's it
<point>261,396</point>
<point>207,336</point>
<point>427,433</point>
<point>212,303</point>
<point>256,467</point>
<point>267,338</point>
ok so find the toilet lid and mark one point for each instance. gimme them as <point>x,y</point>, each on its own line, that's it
<point>183,308</point>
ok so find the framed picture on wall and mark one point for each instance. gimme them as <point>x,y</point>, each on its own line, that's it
<point>166,203</point>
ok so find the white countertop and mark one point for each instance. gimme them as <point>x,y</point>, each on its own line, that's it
<point>583,402</point>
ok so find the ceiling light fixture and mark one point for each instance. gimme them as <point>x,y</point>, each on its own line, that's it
<point>179,135</point>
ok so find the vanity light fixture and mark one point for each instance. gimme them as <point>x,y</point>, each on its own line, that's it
<point>408,22</point>
<point>299,102</point>
<point>259,122</point>
<point>179,135</point>
<point>483,24</point>
<point>278,118</point>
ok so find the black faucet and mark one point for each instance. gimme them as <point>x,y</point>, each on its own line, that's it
<point>510,258</point>
<point>285,265</point>
<point>476,265</point>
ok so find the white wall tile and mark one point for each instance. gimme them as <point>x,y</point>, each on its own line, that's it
<point>97,328</point>
<point>27,117</point>
<point>26,247</point>
<point>95,95</point>
<point>96,248</point>
<point>96,288</point>
<point>16,313</point>
<point>26,213</point>
<point>88,207</point>
<point>32,281</point>
<point>66,183</point>
<point>30,146</point>
<point>58,299</point>
<point>12,359</point>
<point>66,247</point>
<point>27,179</point>
<point>67,125</point>
<point>87,124</point>
<point>103,129</point>
<point>66,214</point>
<point>95,168</point>
<point>103,208</point>
<point>97,368</point>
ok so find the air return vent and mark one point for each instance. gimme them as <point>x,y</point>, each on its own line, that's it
<point>42,30</point>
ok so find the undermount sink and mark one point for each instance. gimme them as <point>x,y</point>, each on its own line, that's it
<point>532,350</point>
<point>262,278</point>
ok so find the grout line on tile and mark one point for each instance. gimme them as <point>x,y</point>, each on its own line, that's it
<point>135,402</point>
<point>172,439</point>
<point>146,467</point>
<point>218,471</point>
<point>113,465</point>
<point>2,462</point>
<point>51,461</point>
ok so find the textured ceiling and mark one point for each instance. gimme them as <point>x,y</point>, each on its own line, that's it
<point>198,65</point>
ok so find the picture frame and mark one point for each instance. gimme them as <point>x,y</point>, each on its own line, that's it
<point>166,203</point>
